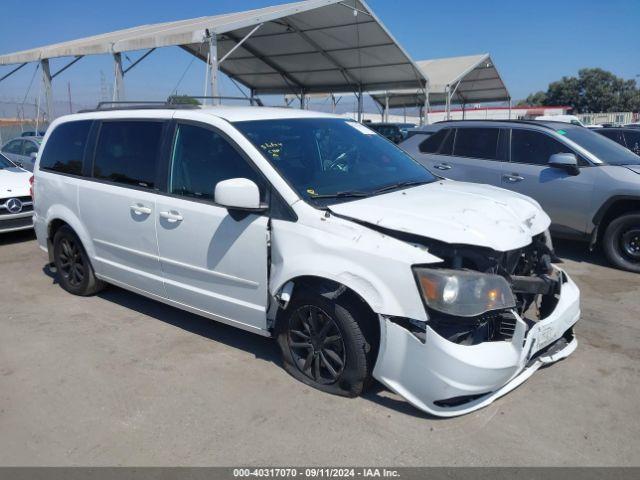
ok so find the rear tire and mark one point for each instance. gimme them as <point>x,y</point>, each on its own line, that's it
<point>75,272</point>
<point>621,242</point>
<point>323,344</point>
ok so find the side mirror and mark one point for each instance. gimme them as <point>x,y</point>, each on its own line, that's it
<point>565,161</point>
<point>33,155</point>
<point>239,194</point>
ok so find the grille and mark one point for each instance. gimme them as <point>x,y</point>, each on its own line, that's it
<point>27,205</point>
<point>15,223</point>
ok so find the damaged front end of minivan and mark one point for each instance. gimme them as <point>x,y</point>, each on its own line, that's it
<point>493,318</point>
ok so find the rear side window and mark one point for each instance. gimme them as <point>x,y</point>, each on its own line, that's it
<point>477,143</point>
<point>15,147</point>
<point>128,152</point>
<point>64,150</point>
<point>534,148</point>
<point>201,159</point>
<point>440,143</point>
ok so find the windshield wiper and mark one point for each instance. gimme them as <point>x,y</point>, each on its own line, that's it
<point>394,186</point>
<point>347,194</point>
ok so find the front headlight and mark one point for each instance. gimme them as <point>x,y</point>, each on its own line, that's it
<point>463,293</point>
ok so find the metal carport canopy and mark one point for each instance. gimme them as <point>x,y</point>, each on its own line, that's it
<point>468,79</point>
<point>310,46</point>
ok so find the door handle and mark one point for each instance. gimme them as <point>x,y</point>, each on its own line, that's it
<point>513,178</point>
<point>443,166</point>
<point>140,209</point>
<point>171,216</point>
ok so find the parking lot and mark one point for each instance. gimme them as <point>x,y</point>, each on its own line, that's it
<point>117,379</point>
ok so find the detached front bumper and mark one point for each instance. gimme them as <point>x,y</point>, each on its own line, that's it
<point>447,379</point>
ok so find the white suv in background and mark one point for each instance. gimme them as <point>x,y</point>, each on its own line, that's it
<point>314,230</point>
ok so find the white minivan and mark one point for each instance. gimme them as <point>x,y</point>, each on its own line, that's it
<point>312,229</point>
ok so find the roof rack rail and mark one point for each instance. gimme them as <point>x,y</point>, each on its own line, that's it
<point>170,103</point>
<point>251,100</point>
<point>539,123</point>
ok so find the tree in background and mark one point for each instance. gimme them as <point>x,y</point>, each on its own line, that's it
<point>183,100</point>
<point>594,90</point>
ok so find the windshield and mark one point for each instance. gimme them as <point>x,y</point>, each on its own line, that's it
<point>328,158</point>
<point>605,149</point>
<point>5,162</point>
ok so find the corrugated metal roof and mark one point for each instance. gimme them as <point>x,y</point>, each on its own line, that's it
<point>315,45</point>
<point>479,81</point>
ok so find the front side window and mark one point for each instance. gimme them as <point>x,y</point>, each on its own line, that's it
<point>30,147</point>
<point>14,147</point>
<point>534,148</point>
<point>633,141</point>
<point>614,135</point>
<point>128,152</point>
<point>479,143</point>
<point>65,148</point>
<point>328,158</point>
<point>439,143</point>
<point>201,159</point>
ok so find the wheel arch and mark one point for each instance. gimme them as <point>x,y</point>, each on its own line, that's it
<point>612,209</point>
<point>59,215</point>
<point>334,289</point>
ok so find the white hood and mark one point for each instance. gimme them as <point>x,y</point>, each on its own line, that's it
<point>14,182</point>
<point>454,212</point>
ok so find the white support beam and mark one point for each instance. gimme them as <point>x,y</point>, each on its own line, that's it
<point>360,104</point>
<point>238,44</point>
<point>118,91</point>
<point>46,83</point>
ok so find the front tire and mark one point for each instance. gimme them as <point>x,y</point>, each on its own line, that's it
<point>621,242</point>
<point>323,344</point>
<point>75,273</point>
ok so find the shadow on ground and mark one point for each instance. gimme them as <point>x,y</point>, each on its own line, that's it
<point>579,252</point>
<point>262,347</point>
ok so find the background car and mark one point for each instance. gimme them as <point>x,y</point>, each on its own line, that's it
<point>33,133</point>
<point>422,133</point>
<point>588,184</point>
<point>23,151</point>
<point>16,207</point>
<point>627,137</point>
<point>389,130</point>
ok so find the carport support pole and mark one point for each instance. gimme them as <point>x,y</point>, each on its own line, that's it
<point>46,81</point>
<point>509,108</point>
<point>118,93</point>
<point>386,106</point>
<point>303,100</point>
<point>427,106</point>
<point>213,66</point>
<point>448,103</point>
<point>360,104</point>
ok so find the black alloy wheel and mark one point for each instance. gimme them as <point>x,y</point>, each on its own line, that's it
<point>75,272</point>
<point>71,263</point>
<point>316,344</point>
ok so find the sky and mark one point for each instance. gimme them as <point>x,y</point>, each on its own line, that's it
<point>532,42</point>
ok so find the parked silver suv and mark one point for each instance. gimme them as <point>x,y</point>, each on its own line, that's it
<point>589,185</point>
